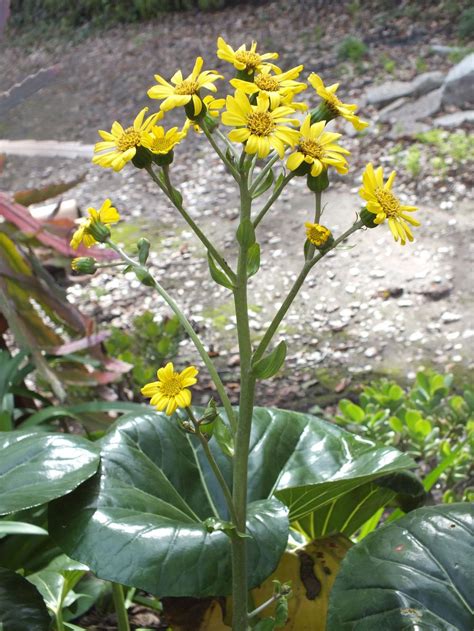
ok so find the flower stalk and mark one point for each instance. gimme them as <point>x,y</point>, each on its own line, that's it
<point>189,330</point>
<point>246,403</point>
<point>120,610</point>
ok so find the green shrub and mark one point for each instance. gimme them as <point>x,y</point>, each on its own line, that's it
<point>352,49</point>
<point>430,421</point>
<point>466,24</point>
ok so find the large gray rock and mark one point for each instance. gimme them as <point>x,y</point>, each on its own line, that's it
<point>427,82</point>
<point>404,110</point>
<point>407,128</point>
<point>454,120</point>
<point>380,95</point>
<point>459,83</point>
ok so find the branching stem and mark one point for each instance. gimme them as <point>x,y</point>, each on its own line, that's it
<point>189,330</point>
<point>275,323</point>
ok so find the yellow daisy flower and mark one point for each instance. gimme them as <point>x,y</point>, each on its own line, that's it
<point>243,59</point>
<point>334,106</point>
<point>213,107</point>
<point>383,203</point>
<point>318,235</point>
<point>261,129</point>
<point>90,226</point>
<point>186,90</point>
<point>317,148</point>
<point>275,86</point>
<point>171,392</point>
<point>162,142</point>
<point>120,145</point>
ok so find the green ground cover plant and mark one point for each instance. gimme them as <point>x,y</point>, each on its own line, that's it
<point>432,421</point>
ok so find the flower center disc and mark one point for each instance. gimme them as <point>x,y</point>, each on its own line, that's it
<point>130,138</point>
<point>265,82</point>
<point>251,60</point>
<point>187,87</point>
<point>260,123</point>
<point>388,201</point>
<point>318,235</point>
<point>161,145</point>
<point>172,386</point>
<point>311,148</point>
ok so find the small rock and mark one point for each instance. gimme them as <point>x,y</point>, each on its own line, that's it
<point>437,291</point>
<point>458,87</point>
<point>448,317</point>
<point>370,352</point>
<point>337,325</point>
<point>342,385</point>
<point>454,120</point>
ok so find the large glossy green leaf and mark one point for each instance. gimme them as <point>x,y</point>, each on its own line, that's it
<point>37,467</point>
<point>347,512</point>
<point>414,574</point>
<point>21,606</point>
<point>140,520</point>
<point>309,464</point>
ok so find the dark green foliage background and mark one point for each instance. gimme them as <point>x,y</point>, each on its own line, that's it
<point>82,11</point>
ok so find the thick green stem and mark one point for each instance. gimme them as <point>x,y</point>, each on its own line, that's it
<point>190,331</point>
<point>275,323</point>
<point>59,620</point>
<point>214,466</point>
<point>168,189</point>
<point>119,604</point>
<point>272,198</point>
<point>242,439</point>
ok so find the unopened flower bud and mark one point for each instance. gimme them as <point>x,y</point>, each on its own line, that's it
<point>143,247</point>
<point>84,265</point>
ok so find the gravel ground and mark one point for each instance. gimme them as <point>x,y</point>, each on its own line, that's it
<point>373,307</point>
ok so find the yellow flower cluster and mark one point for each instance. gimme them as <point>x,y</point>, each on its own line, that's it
<point>264,117</point>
